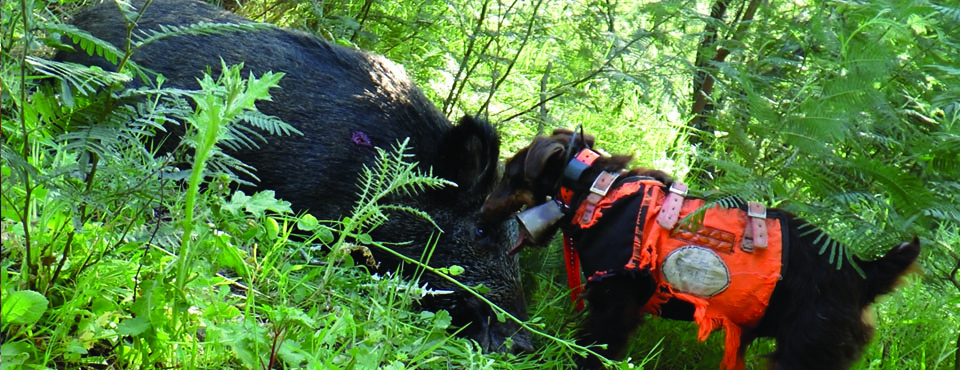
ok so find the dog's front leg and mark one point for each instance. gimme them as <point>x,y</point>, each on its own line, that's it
<point>614,306</point>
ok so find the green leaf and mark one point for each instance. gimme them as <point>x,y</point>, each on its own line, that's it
<point>455,270</point>
<point>15,354</point>
<point>442,320</point>
<point>325,235</point>
<point>257,204</point>
<point>133,326</point>
<point>291,353</point>
<point>307,222</point>
<point>365,239</point>
<point>273,228</point>
<point>232,257</point>
<point>482,289</point>
<point>23,307</point>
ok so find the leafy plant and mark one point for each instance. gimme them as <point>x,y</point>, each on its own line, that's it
<point>843,112</point>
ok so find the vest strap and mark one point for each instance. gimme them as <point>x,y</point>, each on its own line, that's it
<point>601,185</point>
<point>758,223</point>
<point>670,211</point>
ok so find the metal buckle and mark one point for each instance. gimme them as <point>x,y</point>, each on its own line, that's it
<point>679,188</point>
<point>601,185</point>
<point>756,210</point>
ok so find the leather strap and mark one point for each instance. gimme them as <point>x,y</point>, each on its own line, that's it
<point>601,185</point>
<point>670,211</point>
<point>758,223</point>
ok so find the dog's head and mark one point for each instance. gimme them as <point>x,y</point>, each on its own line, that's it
<point>531,175</point>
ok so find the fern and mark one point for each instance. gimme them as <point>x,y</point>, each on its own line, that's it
<point>393,174</point>
<point>144,37</point>
<point>838,253</point>
<point>90,44</point>
<point>949,12</point>
<point>269,124</point>
<point>76,77</point>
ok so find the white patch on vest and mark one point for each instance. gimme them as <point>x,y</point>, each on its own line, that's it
<point>696,270</point>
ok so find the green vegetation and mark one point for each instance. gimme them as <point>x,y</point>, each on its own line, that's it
<point>847,113</point>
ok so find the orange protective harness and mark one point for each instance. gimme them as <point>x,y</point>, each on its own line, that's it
<point>733,294</point>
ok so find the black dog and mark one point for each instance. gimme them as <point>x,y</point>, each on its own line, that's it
<point>814,310</point>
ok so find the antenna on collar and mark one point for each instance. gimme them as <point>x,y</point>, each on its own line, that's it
<point>573,140</point>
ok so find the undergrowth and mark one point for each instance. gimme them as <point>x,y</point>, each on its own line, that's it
<point>110,261</point>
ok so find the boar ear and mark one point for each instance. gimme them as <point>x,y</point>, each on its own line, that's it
<point>468,155</point>
<point>542,153</point>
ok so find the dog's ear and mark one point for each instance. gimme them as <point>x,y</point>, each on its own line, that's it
<point>543,151</point>
<point>565,135</point>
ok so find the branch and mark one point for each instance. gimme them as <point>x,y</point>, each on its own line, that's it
<point>544,115</point>
<point>364,12</point>
<point>704,82</point>
<point>447,103</point>
<point>503,77</point>
<point>578,81</point>
<point>952,275</point>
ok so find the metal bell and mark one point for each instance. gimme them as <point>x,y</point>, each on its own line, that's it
<point>535,222</point>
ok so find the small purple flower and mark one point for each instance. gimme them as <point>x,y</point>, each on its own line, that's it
<point>361,139</point>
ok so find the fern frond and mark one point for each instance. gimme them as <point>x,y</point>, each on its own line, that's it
<point>394,173</point>
<point>223,163</point>
<point>83,79</point>
<point>812,133</point>
<point>89,43</point>
<point>945,214</point>
<point>854,197</point>
<point>906,191</point>
<point>695,219</point>
<point>144,37</point>
<point>370,220</point>
<point>838,253</point>
<point>413,211</point>
<point>16,162</point>
<point>241,136</point>
<point>272,125</point>
<point>948,12</point>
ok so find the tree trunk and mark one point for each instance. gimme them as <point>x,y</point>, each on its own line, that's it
<point>711,50</point>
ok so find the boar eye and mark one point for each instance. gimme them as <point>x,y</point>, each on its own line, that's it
<point>481,232</point>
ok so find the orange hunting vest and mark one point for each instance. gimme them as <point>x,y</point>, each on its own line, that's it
<point>709,262</point>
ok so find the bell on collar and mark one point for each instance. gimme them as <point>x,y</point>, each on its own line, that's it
<point>535,222</point>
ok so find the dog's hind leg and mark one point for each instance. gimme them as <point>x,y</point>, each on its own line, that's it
<point>823,336</point>
<point>613,313</point>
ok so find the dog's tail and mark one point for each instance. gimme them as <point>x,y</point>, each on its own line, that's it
<point>884,272</point>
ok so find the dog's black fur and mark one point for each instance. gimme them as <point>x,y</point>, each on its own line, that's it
<point>815,312</point>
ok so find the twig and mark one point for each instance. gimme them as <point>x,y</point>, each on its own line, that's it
<point>544,115</point>
<point>447,103</point>
<point>523,43</point>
